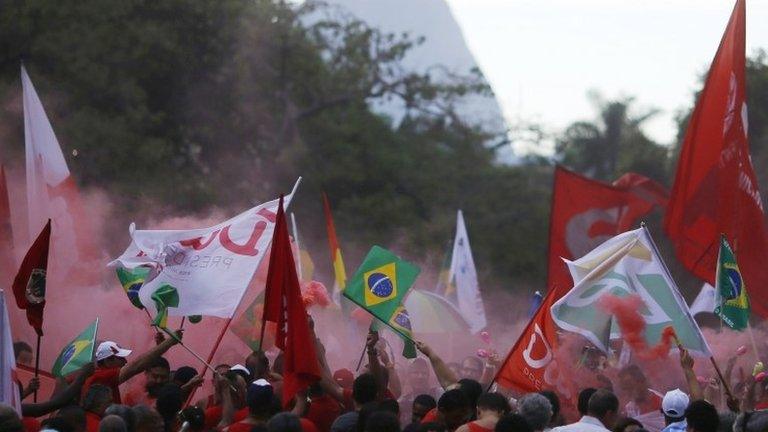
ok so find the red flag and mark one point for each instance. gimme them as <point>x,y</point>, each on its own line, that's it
<point>715,190</point>
<point>587,212</point>
<point>339,272</point>
<point>284,306</point>
<point>526,364</point>
<point>7,262</point>
<point>29,285</point>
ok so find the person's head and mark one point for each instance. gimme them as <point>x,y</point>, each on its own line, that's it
<point>259,399</point>
<point>512,423</point>
<point>390,406</point>
<point>156,375</point>
<point>242,371</point>
<point>418,374</point>
<point>112,423</point>
<point>492,404</point>
<point>453,409</point>
<point>147,419</point>
<point>536,410</point>
<point>110,355</point>
<point>632,381</point>
<point>344,378</point>
<point>23,353</point>
<point>583,400</point>
<point>57,424</point>
<point>9,420</point>
<point>97,399</point>
<point>258,364</point>
<point>472,368</point>
<point>284,422</point>
<point>194,417</point>
<point>627,424</point>
<point>170,400</point>
<point>238,386</point>
<point>364,389</point>
<point>604,406</point>
<point>673,406</point>
<point>422,404</point>
<point>183,375</point>
<point>75,416</point>
<point>751,421</point>
<point>555,402</point>
<point>701,416</point>
<point>122,411</point>
<point>472,389</point>
<point>382,421</point>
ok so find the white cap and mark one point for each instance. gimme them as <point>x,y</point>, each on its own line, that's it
<point>674,403</point>
<point>108,349</point>
<point>239,367</point>
<point>261,382</point>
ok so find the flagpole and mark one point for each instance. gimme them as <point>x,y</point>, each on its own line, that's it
<point>37,364</point>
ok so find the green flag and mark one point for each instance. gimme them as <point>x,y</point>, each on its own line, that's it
<point>132,280</point>
<point>77,353</point>
<point>379,286</point>
<point>731,300</point>
<point>164,297</point>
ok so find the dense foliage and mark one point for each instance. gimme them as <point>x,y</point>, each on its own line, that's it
<point>179,107</point>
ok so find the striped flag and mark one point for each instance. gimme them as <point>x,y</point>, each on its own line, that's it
<point>339,272</point>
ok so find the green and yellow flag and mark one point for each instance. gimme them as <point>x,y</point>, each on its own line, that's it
<point>379,286</point>
<point>164,297</point>
<point>731,300</point>
<point>132,280</point>
<point>77,353</point>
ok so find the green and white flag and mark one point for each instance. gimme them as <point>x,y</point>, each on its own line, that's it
<point>731,300</point>
<point>625,265</point>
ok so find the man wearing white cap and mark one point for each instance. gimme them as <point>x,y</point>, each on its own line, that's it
<point>113,369</point>
<point>673,407</point>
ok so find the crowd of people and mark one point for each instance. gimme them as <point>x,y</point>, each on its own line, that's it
<point>381,398</point>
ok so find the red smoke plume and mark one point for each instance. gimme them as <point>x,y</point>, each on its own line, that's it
<point>632,325</point>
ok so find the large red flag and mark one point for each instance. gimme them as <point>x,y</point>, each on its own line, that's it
<point>29,285</point>
<point>526,364</point>
<point>587,212</point>
<point>283,305</point>
<point>715,190</point>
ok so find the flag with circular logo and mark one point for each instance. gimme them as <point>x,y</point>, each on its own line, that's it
<point>77,353</point>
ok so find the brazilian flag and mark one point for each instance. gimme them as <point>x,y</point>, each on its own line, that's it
<point>132,280</point>
<point>165,297</point>
<point>77,353</point>
<point>731,300</point>
<point>379,286</point>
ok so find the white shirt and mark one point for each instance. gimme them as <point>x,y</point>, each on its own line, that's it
<point>586,424</point>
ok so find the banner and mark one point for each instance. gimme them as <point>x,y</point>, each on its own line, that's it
<point>464,275</point>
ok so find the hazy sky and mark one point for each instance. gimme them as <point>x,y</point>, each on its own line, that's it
<point>543,56</point>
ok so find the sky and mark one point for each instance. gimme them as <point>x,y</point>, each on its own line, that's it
<point>542,57</point>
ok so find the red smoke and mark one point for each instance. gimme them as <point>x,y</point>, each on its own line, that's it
<point>314,293</point>
<point>632,325</point>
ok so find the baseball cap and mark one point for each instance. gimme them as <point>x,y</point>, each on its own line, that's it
<point>344,378</point>
<point>260,393</point>
<point>108,349</point>
<point>674,403</point>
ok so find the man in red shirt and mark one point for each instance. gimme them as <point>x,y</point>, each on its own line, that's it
<point>112,368</point>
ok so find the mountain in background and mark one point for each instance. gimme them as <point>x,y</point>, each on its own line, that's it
<point>444,45</point>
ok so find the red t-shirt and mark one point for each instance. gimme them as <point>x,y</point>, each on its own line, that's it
<point>474,427</point>
<point>214,413</point>
<point>30,424</point>
<point>307,425</point>
<point>109,377</point>
<point>323,411</point>
<point>92,422</point>
<point>431,416</point>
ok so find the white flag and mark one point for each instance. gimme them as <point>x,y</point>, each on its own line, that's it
<point>210,268</point>
<point>51,191</point>
<point>464,274</point>
<point>705,301</point>
<point>9,390</point>
<point>627,264</point>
